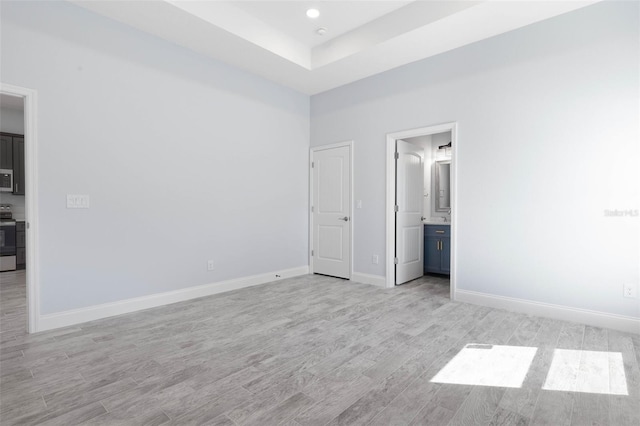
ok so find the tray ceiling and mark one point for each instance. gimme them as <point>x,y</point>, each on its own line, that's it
<point>276,40</point>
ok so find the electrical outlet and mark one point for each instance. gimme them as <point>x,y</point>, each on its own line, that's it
<point>210,265</point>
<point>630,291</point>
<point>374,259</point>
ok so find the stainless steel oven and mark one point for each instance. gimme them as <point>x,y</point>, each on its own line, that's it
<point>8,240</point>
<point>7,245</point>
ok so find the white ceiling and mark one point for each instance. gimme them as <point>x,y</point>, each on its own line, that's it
<point>338,17</point>
<point>276,40</point>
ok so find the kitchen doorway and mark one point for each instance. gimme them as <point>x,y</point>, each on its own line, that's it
<point>392,193</point>
<point>29,100</point>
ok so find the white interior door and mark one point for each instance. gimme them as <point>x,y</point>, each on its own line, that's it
<point>409,226</point>
<point>331,212</point>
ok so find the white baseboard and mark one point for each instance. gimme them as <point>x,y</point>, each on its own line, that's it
<point>369,279</point>
<point>565,313</point>
<point>78,316</point>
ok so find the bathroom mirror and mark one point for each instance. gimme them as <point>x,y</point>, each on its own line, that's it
<point>442,185</point>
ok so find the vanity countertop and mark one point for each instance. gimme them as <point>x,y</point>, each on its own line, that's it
<point>436,223</point>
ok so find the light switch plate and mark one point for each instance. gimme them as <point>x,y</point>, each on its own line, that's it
<point>77,201</point>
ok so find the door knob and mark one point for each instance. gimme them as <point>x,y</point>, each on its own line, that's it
<point>346,218</point>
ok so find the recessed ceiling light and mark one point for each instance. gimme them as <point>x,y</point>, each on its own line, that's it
<point>313,13</point>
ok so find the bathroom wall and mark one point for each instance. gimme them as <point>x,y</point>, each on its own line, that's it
<point>430,143</point>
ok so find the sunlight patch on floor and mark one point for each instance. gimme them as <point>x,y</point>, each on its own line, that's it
<point>587,371</point>
<point>488,365</point>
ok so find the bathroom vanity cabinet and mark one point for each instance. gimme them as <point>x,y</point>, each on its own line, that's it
<point>437,249</point>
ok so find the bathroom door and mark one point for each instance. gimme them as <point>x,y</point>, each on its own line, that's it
<point>409,205</point>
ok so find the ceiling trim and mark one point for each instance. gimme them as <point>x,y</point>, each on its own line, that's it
<point>418,30</point>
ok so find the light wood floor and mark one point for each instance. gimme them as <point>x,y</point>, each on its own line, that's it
<point>312,350</point>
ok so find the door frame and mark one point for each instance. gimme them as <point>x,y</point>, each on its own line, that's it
<point>312,151</point>
<point>391,196</point>
<point>30,98</point>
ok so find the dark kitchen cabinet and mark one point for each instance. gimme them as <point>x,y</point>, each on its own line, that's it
<point>18,165</point>
<point>12,158</point>
<point>21,245</point>
<point>6,152</point>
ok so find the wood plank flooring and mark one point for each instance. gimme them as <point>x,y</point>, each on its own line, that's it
<point>311,350</point>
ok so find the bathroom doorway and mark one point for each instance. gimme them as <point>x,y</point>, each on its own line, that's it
<point>438,199</point>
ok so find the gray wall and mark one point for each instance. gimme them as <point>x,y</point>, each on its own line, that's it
<point>548,139</point>
<point>11,121</point>
<point>185,159</point>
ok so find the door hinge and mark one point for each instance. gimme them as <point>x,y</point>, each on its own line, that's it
<point>313,164</point>
<point>397,156</point>
<point>395,260</point>
<point>396,208</point>
<point>311,252</point>
<point>311,209</point>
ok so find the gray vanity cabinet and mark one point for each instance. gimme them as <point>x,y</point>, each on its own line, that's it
<point>437,249</point>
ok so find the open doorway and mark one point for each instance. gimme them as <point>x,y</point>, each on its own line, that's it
<point>433,234</point>
<point>18,211</point>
